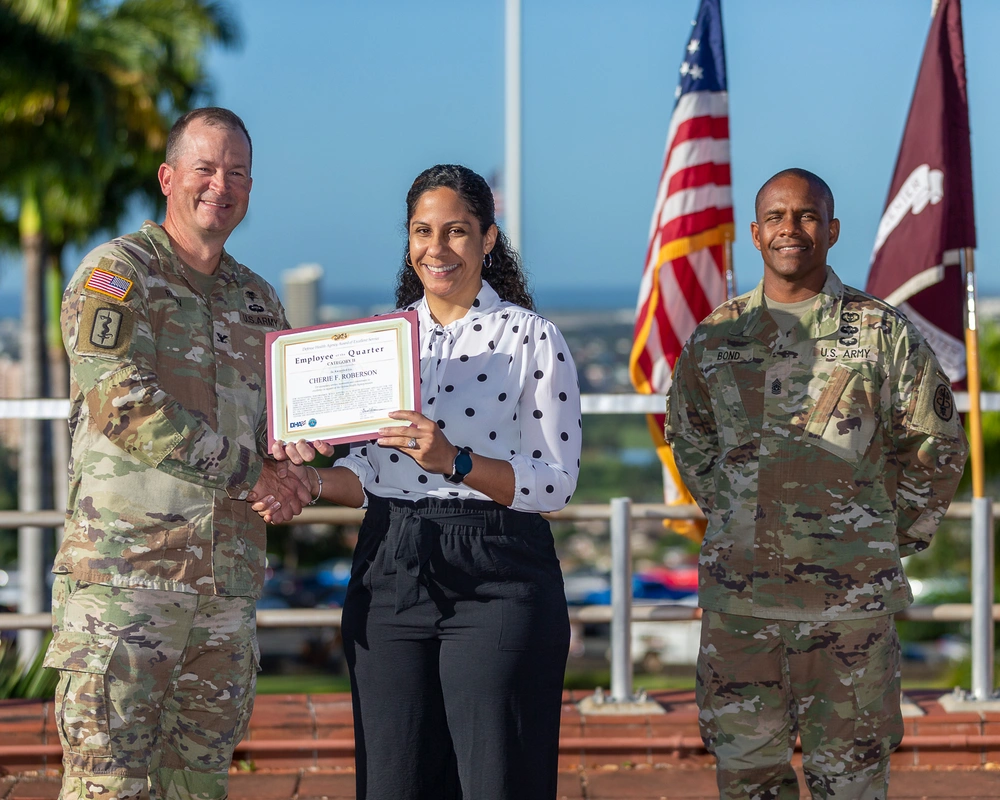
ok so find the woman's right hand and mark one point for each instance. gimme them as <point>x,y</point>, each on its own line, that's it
<point>301,451</point>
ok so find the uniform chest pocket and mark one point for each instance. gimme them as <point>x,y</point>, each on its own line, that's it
<point>733,424</point>
<point>845,417</point>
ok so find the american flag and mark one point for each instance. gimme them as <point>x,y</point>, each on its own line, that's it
<point>108,283</point>
<point>685,273</point>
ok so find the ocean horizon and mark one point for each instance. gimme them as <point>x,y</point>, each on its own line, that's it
<point>547,298</point>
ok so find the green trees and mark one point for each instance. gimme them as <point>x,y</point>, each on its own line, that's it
<point>90,89</point>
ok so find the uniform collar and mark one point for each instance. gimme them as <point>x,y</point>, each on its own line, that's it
<point>822,320</point>
<point>227,271</point>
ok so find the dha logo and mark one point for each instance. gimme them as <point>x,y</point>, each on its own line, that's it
<point>294,425</point>
<point>924,187</point>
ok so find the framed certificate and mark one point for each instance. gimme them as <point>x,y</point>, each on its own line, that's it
<point>338,382</point>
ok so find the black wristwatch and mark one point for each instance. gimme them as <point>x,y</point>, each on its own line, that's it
<point>461,467</point>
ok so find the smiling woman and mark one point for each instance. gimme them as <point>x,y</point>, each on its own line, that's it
<point>447,251</point>
<point>455,623</point>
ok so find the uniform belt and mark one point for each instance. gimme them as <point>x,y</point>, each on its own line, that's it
<point>411,536</point>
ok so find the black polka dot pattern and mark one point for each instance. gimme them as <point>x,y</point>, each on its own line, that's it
<point>519,408</point>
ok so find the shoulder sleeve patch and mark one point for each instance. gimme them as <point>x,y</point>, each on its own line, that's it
<point>105,328</point>
<point>108,283</point>
<point>944,402</point>
<point>932,409</point>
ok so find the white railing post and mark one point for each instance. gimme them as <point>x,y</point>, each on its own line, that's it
<point>621,600</point>
<point>982,599</point>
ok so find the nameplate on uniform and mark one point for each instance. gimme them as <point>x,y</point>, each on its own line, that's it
<point>263,320</point>
<point>724,355</point>
<point>842,352</point>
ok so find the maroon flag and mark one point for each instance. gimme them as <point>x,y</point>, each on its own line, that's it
<point>928,218</point>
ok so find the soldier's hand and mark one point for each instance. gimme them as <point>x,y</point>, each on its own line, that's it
<point>280,492</point>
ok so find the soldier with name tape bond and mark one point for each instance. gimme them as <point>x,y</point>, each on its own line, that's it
<point>156,578</point>
<point>819,435</point>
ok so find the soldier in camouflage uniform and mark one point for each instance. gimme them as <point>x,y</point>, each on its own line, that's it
<point>153,602</point>
<point>818,433</point>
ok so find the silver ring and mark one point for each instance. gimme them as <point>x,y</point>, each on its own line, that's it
<point>412,444</point>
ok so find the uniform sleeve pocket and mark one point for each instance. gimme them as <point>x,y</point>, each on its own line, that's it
<point>844,418</point>
<point>83,715</point>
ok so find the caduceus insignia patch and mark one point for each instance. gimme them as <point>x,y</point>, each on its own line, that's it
<point>106,328</point>
<point>944,403</point>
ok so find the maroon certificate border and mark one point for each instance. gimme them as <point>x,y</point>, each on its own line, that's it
<point>410,316</point>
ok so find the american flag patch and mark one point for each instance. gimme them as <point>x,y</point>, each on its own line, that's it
<point>108,283</point>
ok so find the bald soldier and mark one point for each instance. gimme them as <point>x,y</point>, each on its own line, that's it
<point>819,435</point>
<point>156,578</point>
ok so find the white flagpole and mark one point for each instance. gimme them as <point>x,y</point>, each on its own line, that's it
<point>512,125</point>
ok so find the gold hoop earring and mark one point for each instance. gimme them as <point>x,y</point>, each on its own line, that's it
<point>406,260</point>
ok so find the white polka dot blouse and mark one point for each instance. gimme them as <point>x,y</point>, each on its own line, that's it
<point>502,382</point>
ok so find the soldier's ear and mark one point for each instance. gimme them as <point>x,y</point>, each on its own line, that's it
<point>755,234</point>
<point>834,231</point>
<point>166,176</point>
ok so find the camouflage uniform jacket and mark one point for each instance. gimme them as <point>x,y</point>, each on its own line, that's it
<point>167,418</point>
<point>819,457</point>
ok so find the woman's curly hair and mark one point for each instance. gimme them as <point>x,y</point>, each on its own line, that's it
<point>504,272</point>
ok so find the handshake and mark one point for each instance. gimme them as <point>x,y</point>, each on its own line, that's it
<point>283,490</point>
<point>287,483</point>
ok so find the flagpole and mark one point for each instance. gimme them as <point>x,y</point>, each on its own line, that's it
<point>982,506</point>
<point>512,125</point>
<point>727,260</point>
<point>976,452</point>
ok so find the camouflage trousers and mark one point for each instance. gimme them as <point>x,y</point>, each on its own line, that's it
<point>155,690</point>
<point>836,684</point>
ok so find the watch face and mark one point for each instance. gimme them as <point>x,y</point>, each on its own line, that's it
<point>463,463</point>
<point>462,467</point>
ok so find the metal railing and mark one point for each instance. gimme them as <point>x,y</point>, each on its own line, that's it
<point>621,512</point>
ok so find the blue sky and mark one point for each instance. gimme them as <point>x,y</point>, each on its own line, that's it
<point>348,100</point>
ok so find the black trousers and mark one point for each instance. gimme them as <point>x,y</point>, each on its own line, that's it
<point>456,635</point>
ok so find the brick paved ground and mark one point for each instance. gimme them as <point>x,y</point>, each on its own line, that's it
<point>609,783</point>
<point>642,757</point>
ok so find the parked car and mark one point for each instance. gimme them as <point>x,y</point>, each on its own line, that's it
<point>659,584</point>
